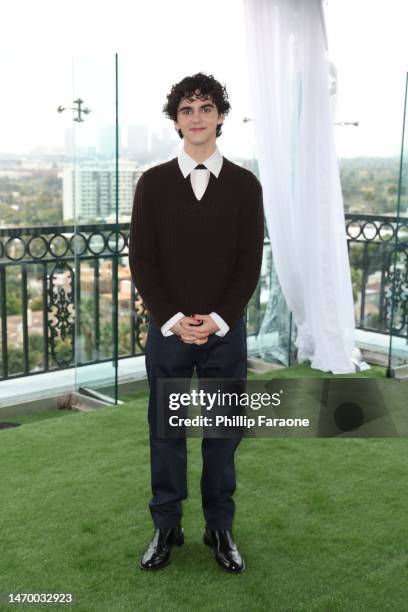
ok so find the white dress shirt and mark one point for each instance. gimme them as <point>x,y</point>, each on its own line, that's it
<point>199,182</point>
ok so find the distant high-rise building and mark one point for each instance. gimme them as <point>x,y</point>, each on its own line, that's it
<point>107,141</point>
<point>89,191</point>
<point>164,144</point>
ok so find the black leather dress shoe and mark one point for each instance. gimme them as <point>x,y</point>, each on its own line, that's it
<point>225,549</point>
<point>157,554</point>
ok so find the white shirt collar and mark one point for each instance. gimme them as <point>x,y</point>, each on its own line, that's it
<point>187,163</point>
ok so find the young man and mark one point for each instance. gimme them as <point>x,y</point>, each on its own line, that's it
<point>195,253</point>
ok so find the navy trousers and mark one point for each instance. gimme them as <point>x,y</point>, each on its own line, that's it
<point>170,357</point>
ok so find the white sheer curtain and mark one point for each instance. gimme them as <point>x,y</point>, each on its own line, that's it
<point>289,81</point>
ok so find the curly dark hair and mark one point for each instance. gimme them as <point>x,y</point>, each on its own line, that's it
<point>207,86</point>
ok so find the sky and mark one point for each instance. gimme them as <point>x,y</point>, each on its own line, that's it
<point>51,53</point>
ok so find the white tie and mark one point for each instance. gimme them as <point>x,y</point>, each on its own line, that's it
<point>199,180</point>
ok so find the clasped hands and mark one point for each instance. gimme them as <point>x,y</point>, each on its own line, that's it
<point>195,329</point>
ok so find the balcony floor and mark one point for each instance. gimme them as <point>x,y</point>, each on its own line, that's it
<point>314,534</point>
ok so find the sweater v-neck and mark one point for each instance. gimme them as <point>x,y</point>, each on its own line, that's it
<point>189,188</point>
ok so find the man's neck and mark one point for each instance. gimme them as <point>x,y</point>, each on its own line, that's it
<point>200,153</point>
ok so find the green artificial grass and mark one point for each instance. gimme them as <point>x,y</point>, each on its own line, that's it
<point>321,522</point>
<point>40,415</point>
<point>304,370</point>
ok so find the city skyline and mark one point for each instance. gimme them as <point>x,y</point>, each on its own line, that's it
<point>371,75</point>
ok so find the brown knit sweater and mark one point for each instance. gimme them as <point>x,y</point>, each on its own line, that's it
<point>196,256</point>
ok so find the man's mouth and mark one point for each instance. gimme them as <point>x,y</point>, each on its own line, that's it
<point>197,129</point>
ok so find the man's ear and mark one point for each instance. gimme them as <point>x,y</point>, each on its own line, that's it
<point>176,127</point>
<point>221,119</point>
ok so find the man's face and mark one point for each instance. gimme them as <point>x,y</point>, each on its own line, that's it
<point>198,119</point>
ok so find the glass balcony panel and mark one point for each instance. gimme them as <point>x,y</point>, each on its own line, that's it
<point>91,199</point>
<point>398,286</point>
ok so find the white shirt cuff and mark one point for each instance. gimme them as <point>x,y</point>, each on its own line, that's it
<point>165,329</point>
<point>221,324</point>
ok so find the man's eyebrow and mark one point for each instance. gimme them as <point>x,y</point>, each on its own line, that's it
<point>201,106</point>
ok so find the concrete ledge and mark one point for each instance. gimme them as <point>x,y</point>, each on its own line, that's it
<point>400,372</point>
<point>56,402</point>
<point>260,366</point>
<point>374,358</point>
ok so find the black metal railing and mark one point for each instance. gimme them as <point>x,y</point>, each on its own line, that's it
<point>375,244</point>
<point>60,285</point>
